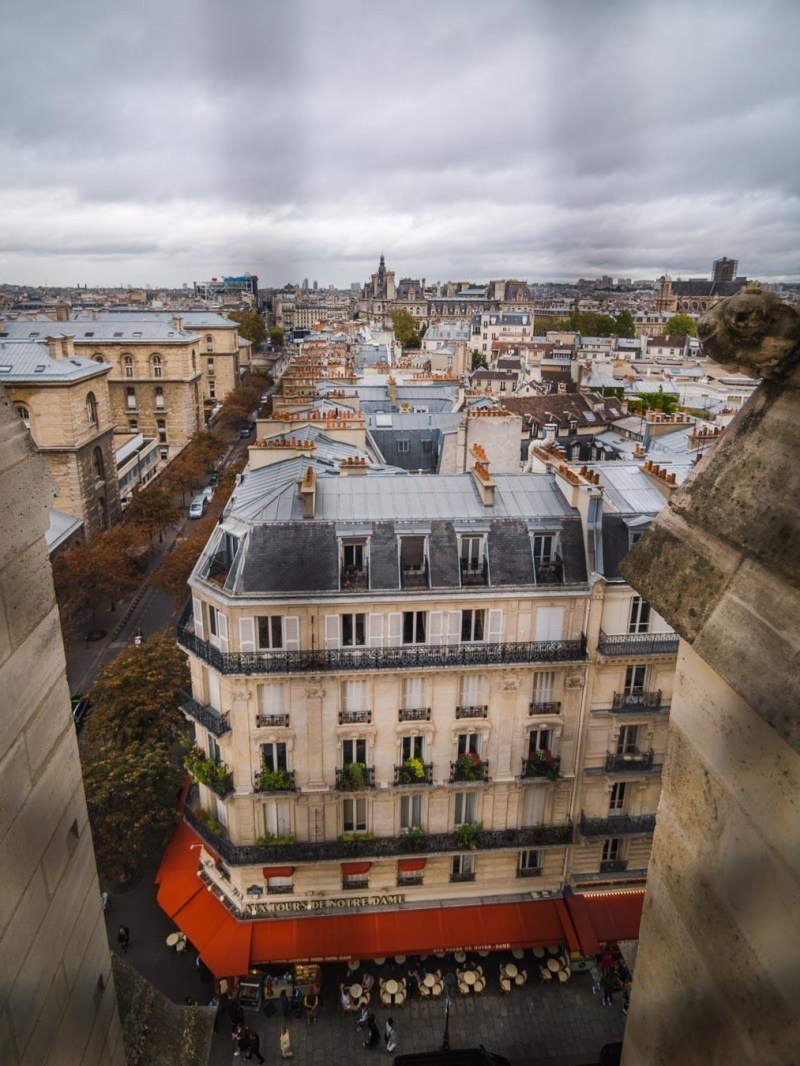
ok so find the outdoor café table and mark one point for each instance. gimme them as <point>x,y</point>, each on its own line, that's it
<point>553,949</point>
<point>173,939</point>
<point>484,954</point>
<point>399,959</point>
<point>460,956</point>
<point>380,960</point>
<point>552,964</point>
<point>518,953</point>
<point>440,954</point>
<point>511,970</point>
<point>353,965</point>
<point>392,987</point>
<point>470,977</point>
<point>355,991</point>
<point>538,953</point>
<point>429,980</point>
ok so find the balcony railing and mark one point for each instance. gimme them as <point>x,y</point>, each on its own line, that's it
<point>478,711</point>
<point>475,575</point>
<point>551,707</point>
<point>551,573</point>
<point>408,657</point>
<point>279,720</point>
<point>355,717</point>
<point>355,777</point>
<point>355,577</point>
<point>205,715</point>
<point>414,714</point>
<point>414,577</point>
<point>378,847</point>
<point>541,766</point>
<point>615,825</point>
<point>529,871</point>
<point>280,890</point>
<point>629,644</point>
<point>629,760</point>
<point>472,770</point>
<point>404,880</point>
<point>404,774</point>
<point>465,875</point>
<point>636,702</point>
<point>274,781</point>
<point>613,866</point>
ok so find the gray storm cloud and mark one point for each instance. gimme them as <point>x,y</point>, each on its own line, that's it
<point>166,142</point>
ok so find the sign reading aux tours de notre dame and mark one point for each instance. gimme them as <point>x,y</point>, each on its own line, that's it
<point>260,910</point>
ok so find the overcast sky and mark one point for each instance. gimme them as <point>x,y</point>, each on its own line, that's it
<point>166,142</point>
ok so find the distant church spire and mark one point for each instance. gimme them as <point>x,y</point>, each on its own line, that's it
<point>382,266</point>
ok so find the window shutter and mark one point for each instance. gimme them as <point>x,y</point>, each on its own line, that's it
<point>549,623</point>
<point>395,629</point>
<point>213,690</point>
<point>453,627</point>
<point>495,626</point>
<point>197,609</point>
<point>435,627</point>
<point>291,632</point>
<point>533,806</point>
<point>222,626</point>
<point>331,630</point>
<point>247,634</point>
<point>375,630</point>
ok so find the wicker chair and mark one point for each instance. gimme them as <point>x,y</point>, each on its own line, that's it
<point>545,975</point>
<point>521,978</point>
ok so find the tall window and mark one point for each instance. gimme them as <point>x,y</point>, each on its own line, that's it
<point>161,425</point>
<point>354,630</point>
<point>273,756</point>
<point>462,868</point>
<point>639,618</point>
<point>130,398</point>
<point>469,743</point>
<point>155,362</point>
<point>414,692</point>
<point>470,690</point>
<point>544,686</point>
<point>465,808</point>
<point>354,750</point>
<point>472,625</point>
<point>413,748</point>
<point>530,862</point>
<point>209,343</point>
<point>616,801</point>
<point>212,390</point>
<point>471,553</point>
<point>539,740</point>
<point>353,554</point>
<point>611,849</point>
<point>24,414</point>
<point>159,398</point>
<point>91,408</point>
<point>277,818</point>
<point>414,627</point>
<point>354,815</point>
<point>627,740</point>
<point>270,632</point>
<point>544,547</point>
<point>210,367</point>
<point>127,366</point>
<point>97,462</point>
<point>635,677</point>
<point>355,696</point>
<point>271,697</point>
<point>411,812</point>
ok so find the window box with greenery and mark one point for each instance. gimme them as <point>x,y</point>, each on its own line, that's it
<point>214,775</point>
<point>353,843</point>
<point>215,827</point>
<point>355,777</point>
<point>274,780</point>
<point>413,772</point>
<point>469,767</point>
<point>468,836</point>
<point>270,840</point>
<point>541,764</point>
<point>415,839</point>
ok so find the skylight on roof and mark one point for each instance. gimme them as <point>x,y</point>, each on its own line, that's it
<point>39,369</point>
<point>5,369</point>
<point>136,333</point>
<point>89,334</point>
<point>34,334</point>
<point>118,334</point>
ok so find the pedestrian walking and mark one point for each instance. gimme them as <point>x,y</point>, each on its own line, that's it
<point>286,1005</point>
<point>253,1046</point>
<point>363,1015</point>
<point>373,1033</point>
<point>286,1044</point>
<point>123,937</point>
<point>390,1035</point>
<point>241,1041</point>
<point>610,984</point>
<point>235,1013</point>
<point>626,997</point>
<point>596,973</point>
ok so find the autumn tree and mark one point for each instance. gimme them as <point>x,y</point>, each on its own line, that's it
<point>276,337</point>
<point>405,328</point>
<point>183,473</point>
<point>179,561</point>
<point>238,405</point>
<point>251,326</point>
<point>478,359</point>
<point>680,326</point>
<point>208,447</point>
<point>153,511</point>
<point>104,569</point>
<point>131,792</point>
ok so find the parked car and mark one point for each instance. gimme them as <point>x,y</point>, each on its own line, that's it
<point>197,508</point>
<point>207,494</point>
<point>213,477</point>
<point>243,433</point>
<point>80,708</point>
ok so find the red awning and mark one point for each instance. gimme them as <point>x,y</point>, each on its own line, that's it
<point>407,866</point>
<point>356,867</point>
<point>278,871</point>
<point>605,917</point>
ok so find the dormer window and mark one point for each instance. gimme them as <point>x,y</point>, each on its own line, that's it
<point>547,559</point>
<point>413,563</point>
<point>354,566</point>
<point>472,559</point>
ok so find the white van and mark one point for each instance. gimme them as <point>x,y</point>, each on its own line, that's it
<point>197,508</point>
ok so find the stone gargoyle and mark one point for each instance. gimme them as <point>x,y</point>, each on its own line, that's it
<point>753,332</point>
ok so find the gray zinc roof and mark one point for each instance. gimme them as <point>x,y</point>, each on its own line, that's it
<point>26,361</point>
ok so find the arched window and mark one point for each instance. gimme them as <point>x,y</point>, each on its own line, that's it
<point>99,465</point>
<point>91,408</point>
<point>98,358</point>
<point>156,364</point>
<point>209,343</point>
<point>127,366</point>
<point>24,414</point>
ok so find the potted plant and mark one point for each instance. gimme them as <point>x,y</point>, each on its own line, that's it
<point>468,767</point>
<point>468,836</point>
<point>413,770</point>
<point>276,780</point>
<point>270,840</point>
<point>415,839</point>
<point>353,776</point>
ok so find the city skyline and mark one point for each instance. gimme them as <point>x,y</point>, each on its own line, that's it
<point>538,141</point>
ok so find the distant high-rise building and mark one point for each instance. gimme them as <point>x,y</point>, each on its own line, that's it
<point>725,269</point>
<point>305,285</point>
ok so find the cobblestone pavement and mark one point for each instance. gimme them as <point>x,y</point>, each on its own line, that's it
<point>565,1023</point>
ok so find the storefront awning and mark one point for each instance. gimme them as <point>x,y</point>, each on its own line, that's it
<point>408,866</point>
<point>278,871</point>
<point>356,867</point>
<point>605,917</point>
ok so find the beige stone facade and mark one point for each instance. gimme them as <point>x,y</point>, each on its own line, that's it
<point>57,997</point>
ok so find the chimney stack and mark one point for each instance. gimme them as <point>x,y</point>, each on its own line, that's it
<point>308,492</point>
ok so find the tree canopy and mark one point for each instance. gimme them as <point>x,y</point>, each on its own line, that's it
<point>276,337</point>
<point>251,326</point>
<point>152,510</point>
<point>405,328</point>
<point>239,405</point>
<point>625,324</point>
<point>680,326</point>
<point>103,569</point>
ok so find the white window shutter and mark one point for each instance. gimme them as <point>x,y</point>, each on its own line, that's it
<point>435,620</point>
<point>222,629</point>
<point>533,806</point>
<point>197,609</point>
<point>395,629</point>
<point>495,626</point>
<point>375,630</point>
<point>453,627</point>
<point>247,634</point>
<point>549,623</point>
<point>291,632</point>
<point>213,690</point>
<point>331,630</point>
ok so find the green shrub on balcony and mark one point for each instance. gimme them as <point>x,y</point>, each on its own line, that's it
<point>354,776</point>
<point>468,767</point>
<point>215,775</point>
<point>468,836</point>
<point>415,839</point>
<point>210,822</point>
<point>270,840</point>
<point>412,770</point>
<point>275,780</point>
<point>542,764</point>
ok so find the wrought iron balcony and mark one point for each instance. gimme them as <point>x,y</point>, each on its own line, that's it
<point>541,765</point>
<point>633,644</point>
<point>404,774</point>
<point>355,717</point>
<point>355,577</point>
<point>551,573</point>
<point>615,825</point>
<point>613,866</point>
<point>414,714</point>
<point>636,702</point>
<point>467,769</point>
<point>377,847</point>
<point>355,882</point>
<point>465,875</point>
<point>475,575</point>
<point>279,720</point>
<point>274,781</point>
<point>617,762</point>
<point>414,577</point>
<point>551,707</point>
<point>407,657</point>
<point>529,871</point>
<point>478,711</point>
<point>355,777</point>
<point>404,880</point>
<point>280,890</point>
<point>204,715</point>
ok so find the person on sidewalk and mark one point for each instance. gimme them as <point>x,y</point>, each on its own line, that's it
<point>235,1013</point>
<point>596,974</point>
<point>123,937</point>
<point>373,1033</point>
<point>311,1004</point>
<point>363,1016</point>
<point>286,1044</point>
<point>253,1046</point>
<point>286,1006</point>
<point>610,984</point>
<point>390,1035</point>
